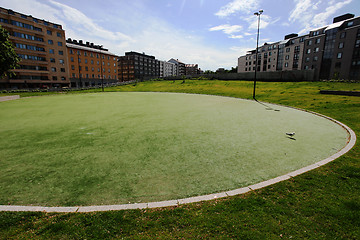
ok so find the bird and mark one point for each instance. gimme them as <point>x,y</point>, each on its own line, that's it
<point>291,134</point>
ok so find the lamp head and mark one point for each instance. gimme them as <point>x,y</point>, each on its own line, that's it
<point>261,11</point>
<point>257,14</point>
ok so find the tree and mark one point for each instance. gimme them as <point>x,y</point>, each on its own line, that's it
<point>8,57</point>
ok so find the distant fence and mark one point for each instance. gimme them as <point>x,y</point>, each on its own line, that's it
<point>281,76</point>
<point>344,93</point>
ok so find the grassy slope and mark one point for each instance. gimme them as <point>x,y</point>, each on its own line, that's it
<point>321,204</point>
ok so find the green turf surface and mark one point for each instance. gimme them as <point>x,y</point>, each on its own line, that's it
<point>113,148</point>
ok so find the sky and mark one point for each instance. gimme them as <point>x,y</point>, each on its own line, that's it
<point>211,33</point>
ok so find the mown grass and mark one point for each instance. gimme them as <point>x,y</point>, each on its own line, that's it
<point>321,204</point>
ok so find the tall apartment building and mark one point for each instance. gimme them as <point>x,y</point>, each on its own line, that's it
<point>42,48</point>
<point>90,65</point>
<point>332,52</point>
<point>192,69</point>
<point>285,55</point>
<point>180,66</point>
<point>140,66</point>
<point>167,69</point>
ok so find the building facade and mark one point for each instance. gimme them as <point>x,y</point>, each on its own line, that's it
<point>180,66</point>
<point>332,52</point>
<point>42,48</point>
<point>91,65</point>
<point>285,55</point>
<point>167,69</point>
<point>137,66</point>
<point>192,69</point>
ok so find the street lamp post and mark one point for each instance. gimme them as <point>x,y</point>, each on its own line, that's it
<point>80,83</point>
<point>102,76</point>
<point>257,46</point>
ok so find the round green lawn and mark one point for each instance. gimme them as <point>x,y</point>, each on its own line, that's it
<point>115,148</point>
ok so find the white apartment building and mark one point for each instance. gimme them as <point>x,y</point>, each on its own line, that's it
<point>167,69</point>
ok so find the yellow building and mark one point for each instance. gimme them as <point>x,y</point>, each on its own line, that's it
<point>41,46</point>
<point>90,65</point>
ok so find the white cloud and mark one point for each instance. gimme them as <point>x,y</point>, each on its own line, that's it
<point>226,28</point>
<point>238,6</point>
<point>265,21</point>
<point>306,13</point>
<point>320,19</point>
<point>156,37</point>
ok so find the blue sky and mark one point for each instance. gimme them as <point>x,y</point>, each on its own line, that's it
<point>212,33</point>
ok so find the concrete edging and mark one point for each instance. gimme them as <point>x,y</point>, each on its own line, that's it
<point>170,203</point>
<point>9,98</point>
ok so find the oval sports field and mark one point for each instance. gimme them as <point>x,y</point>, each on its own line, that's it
<point>134,148</point>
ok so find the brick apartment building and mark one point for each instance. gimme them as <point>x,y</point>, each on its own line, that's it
<point>90,65</point>
<point>42,48</point>
<point>332,52</point>
<point>140,66</point>
<point>192,69</point>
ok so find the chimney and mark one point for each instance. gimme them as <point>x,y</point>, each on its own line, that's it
<point>343,17</point>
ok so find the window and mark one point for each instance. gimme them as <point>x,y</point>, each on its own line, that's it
<point>318,41</point>
<point>309,42</point>
<point>61,61</point>
<point>50,42</point>
<point>287,57</point>
<point>86,61</point>
<point>79,60</point>
<point>53,69</point>
<point>72,67</point>
<point>54,78</point>
<point>339,55</point>
<point>341,45</point>
<point>308,51</point>
<point>307,59</point>
<point>49,32</point>
<point>316,58</point>
<point>63,78</point>
<point>358,33</point>
<point>58,34</point>
<point>52,60</point>
<point>72,59</point>
<point>78,52</point>
<point>92,69</point>
<point>51,51</point>
<point>71,51</point>
<point>85,54</point>
<point>92,61</point>
<point>316,49</point>
<point>357,43</point>
<point>86,68</point>
<point>62,69</point>
<point>61,52</point>
<point>60,44</point>
<point>349,24</point>
<point>286,64</point>
<point>343,35</point>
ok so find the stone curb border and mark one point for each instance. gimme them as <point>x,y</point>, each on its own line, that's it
<point>9,98</point>
<point>171,203</point>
